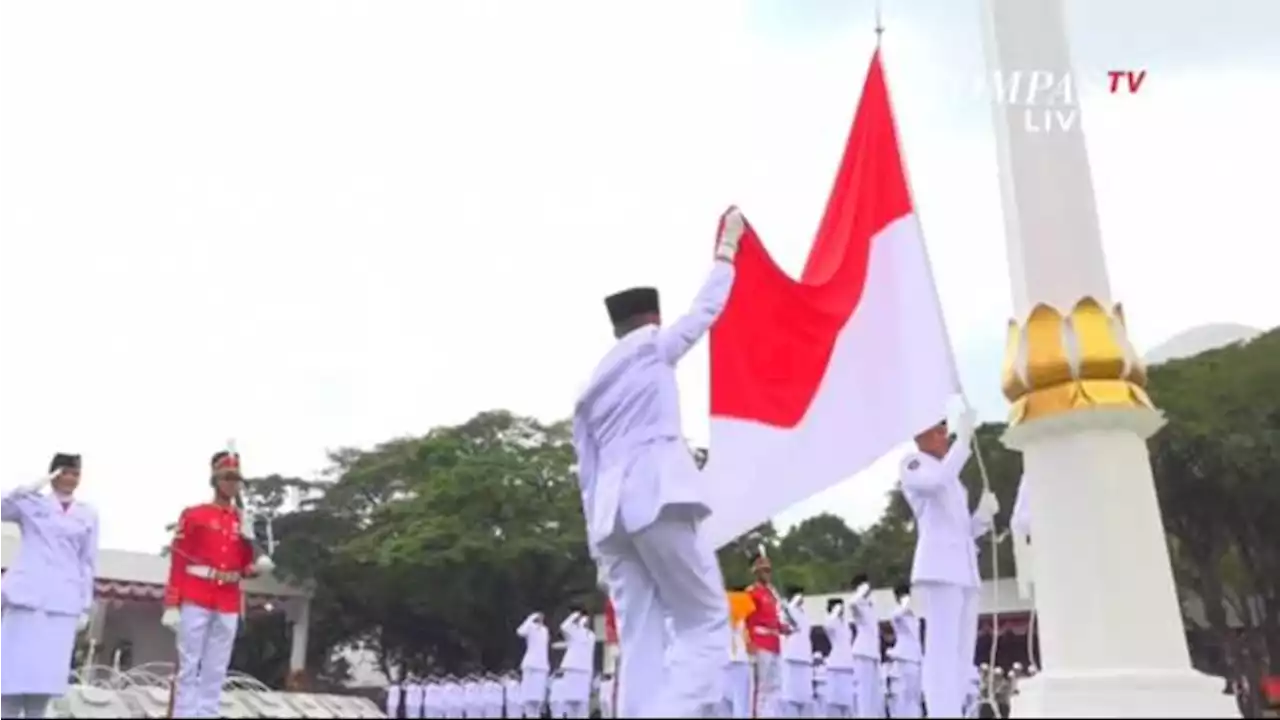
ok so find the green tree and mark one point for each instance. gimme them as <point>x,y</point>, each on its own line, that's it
<point>429,551</point>
<point>817,554</point>
<point>1215,466</point>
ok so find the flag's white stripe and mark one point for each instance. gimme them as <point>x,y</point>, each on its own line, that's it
<point>889,377</point>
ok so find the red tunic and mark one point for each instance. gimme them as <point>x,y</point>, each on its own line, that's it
<point>764,626</point>
<point>208,535</point>
<point>610,623</point>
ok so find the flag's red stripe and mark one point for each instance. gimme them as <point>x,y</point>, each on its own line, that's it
<point>771,346</point>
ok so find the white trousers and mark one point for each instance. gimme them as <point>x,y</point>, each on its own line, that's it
<point>737,690</point>
<point>907,699</point>
<point>951,622</point>
<point>666,571</point>
<point>205,641</point>
<point>410,711</point>
<point>868,688</point>
<point>766,686</point>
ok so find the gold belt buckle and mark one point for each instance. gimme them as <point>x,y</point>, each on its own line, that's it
<point>223,577</point>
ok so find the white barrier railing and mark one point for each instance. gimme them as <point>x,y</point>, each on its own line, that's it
<point>101,691</point>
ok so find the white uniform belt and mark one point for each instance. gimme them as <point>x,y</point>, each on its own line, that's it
<point>764,631</point>
<point>207,573</point>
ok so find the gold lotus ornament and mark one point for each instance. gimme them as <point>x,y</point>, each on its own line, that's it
<point>1056,363</point>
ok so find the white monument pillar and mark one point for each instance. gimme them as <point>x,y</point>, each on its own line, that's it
<point>1111,635</point>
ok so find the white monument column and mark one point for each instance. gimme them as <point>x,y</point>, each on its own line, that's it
<point>1111,635</point>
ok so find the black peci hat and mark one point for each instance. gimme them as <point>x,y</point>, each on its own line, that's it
<point>629,303</point>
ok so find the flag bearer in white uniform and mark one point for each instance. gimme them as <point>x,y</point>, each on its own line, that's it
<point>840,678</point>
<point>212,551</point>
<point>866,651</point>
<point>641,499</point>
<point>737,674</point>
<point>535,665</point>
<point>48,591</point>
<point>944,574</point>
<point>908,701</point>
<point>797,661</point>
<point>578,664</point>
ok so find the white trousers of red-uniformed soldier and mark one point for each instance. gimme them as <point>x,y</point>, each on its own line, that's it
<point>205,641</point>
<point>766,685</point>
<point>663,571</point>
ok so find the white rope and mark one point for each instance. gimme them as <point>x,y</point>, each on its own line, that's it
<point>988,696</point>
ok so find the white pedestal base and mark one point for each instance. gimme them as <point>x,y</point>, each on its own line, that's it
<point>1123,694</point>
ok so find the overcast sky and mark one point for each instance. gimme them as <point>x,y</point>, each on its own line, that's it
<point>308,225</point>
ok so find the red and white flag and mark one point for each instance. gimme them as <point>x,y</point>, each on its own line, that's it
<point>814,380</point>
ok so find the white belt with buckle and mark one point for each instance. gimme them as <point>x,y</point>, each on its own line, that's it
<point>765,631</point>
<point>207,573</point>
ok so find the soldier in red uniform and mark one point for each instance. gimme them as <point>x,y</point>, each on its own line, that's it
<point>212,551</point>
<point>764,633</point>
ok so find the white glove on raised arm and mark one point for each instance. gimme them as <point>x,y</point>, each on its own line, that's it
<point>36,486</point>
<point>966,422</point>
<point>734,225</point>
<point>263,565</point>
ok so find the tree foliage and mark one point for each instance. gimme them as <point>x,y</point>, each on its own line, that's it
<point>1215,466</point>
<point>429,550</point>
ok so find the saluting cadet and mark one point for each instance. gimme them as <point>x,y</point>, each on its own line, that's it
<point>908,700</point>
<point>511,696</point>
<point>797,660</point>
<point>535,665</point>
<point>840,679</point>
<point>413,698</point>
<point>578,664</point>
<point>48,591</point>
<point>866,651</point>
<point>432,699</point>
<point>642,502</point>
<point>393,701</point>
<point>212,551</point>
<point>944,573</point>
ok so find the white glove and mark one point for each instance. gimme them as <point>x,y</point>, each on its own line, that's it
<point>861,592</point>
<point>171,618</point>
<point>905,602</point>
<point>263,566</point>
<point>602,577</point>
<point>246,524</point>
<point>83,622</point>
<point>36,486</point>
<point>988,505</point>
<point>965,424</point>
<point>730,235</point>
